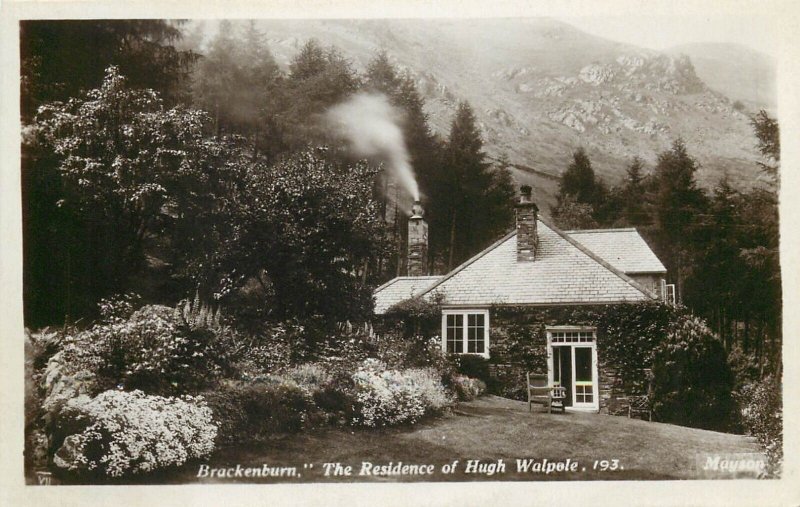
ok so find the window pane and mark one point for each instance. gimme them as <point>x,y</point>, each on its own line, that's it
<point>455,334</point>
<point>583,364</point>
<point>475,333</point>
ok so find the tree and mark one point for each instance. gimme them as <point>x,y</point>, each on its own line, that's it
<point>318,78</point>
<point>571,214</point>
<point>769,143</point>
<point>216,75</point>
<point>579,179</point>
<point>677,205</point>
<point>381,76</point>
<point>634,208</point>
<point>461,193</point>
<point>713,289</point>
<point>237,81</point>
<point>306,231</point>
<point>109,171</point>
<point>761,247</point>
<point>60,59</point>
<point>579,186</point>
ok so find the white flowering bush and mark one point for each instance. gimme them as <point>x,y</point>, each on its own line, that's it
<point>385,397</point>
<point>131,433</point>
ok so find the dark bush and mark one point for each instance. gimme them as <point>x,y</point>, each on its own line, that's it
<point>473,366</point>
<point>628,336</point>
<point>692,381</point>
<point>255,411</point>
<point>337,401</point>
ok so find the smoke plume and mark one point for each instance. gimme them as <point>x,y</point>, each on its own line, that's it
<point>371,126</point>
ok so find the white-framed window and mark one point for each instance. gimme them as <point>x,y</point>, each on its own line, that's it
<point>572,363</point>
<point>465,332</point>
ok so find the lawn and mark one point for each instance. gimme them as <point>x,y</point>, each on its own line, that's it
<point>488,429</point>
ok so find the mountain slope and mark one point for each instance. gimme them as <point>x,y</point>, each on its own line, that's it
<point>739,72</point>
<point>541,88</point>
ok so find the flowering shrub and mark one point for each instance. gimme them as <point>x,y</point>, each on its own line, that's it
<point>153,350</point>
<point>131,433</point>
<point>468,388</point>
<point>387,397</point>
<point>762,415</point>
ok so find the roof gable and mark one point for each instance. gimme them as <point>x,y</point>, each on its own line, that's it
<point>625,249</point>
<point>564,272</point>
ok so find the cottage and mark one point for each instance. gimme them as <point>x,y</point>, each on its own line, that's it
<point>539,289</point>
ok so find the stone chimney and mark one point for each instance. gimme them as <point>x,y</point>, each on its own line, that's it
<point>417,242</point>
<point>527,236</point>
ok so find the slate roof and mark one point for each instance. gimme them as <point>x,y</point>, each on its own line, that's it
<point>400,288</point>
<point>564,272</point>
<point>624,249</point>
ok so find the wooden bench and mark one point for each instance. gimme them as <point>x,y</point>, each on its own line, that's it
<point>541,392</point>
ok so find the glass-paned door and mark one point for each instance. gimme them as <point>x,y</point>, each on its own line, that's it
<point>584,381</point>
<point>562,371</point>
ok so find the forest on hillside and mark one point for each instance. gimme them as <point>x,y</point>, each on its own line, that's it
<point>149,168</point>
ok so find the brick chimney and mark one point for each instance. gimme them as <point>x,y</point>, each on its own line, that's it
<point>417,242</point>
<point>527,236</point>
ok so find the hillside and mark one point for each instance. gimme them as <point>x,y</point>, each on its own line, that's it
<point>738,72</point>
<point>541,88</point>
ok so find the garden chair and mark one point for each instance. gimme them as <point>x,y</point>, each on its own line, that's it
<point>640,405</point>
<point>541,392</point>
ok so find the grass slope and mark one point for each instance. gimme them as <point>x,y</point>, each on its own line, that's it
<point>493,428</point>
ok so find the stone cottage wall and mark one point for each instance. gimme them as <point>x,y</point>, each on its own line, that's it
<point>518,344</point>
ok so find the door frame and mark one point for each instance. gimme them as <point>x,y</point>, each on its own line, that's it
<point>582,407</point>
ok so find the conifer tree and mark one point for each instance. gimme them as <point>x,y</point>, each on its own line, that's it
<point>463,191</point>
<point>678,204</point>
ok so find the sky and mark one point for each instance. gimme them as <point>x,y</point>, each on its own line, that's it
<point>662,32</point>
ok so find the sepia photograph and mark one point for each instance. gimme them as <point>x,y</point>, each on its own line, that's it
<point>485,249</point>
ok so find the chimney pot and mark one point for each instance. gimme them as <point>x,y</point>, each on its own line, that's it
<point>416,209</point>
<point>525,193</point>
